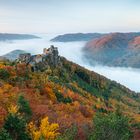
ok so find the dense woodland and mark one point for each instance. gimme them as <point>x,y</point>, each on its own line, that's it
<point>66,102</point>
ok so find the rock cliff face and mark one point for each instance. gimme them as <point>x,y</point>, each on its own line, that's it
<point>115,49</point>
<point>49,58</point>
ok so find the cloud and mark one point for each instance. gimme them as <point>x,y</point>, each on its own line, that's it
<point>72,51</point>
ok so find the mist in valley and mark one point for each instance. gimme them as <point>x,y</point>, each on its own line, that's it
<point>73,51</point>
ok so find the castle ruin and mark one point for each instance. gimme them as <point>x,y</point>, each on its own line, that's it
<point>49,57</point>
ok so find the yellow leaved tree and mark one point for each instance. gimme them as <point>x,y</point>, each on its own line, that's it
<point>13,109</point>
<point>45,131</point>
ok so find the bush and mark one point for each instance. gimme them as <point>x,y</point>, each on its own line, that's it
<point>16,126</point>
<point>24,107</point>
<point>69,134</point>
<point>4,135</point>
<point>61,98</point>
<point>111,127</point>
<point>4,74</point>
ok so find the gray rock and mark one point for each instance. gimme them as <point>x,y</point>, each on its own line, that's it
<point>49,58</point>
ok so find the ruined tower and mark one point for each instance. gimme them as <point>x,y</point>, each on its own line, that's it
<point>49,57</point>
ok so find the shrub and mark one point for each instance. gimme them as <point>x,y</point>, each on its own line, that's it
<point>4,135</point>
<point>4,74</point>
<point>16,127</point>
<point>69,134</point>
<point>24,107</point>
<point>111,127</point>
<point>45,131</point>
<point>61,98</point>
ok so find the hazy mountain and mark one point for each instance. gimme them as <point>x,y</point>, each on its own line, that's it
<point>9,36</point>
<point>12,55</point>
<point>76,37</point>
<point>114,49</point>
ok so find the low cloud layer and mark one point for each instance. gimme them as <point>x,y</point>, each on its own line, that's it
<point>127,76</point>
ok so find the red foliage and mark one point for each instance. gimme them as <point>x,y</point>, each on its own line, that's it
<point>3,113</point>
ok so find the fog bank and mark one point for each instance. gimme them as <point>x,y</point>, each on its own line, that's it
<point>72,51</point>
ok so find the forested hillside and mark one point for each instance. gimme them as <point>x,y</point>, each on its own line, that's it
<point>67,102</point>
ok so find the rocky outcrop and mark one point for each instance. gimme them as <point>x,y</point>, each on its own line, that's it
<point>49,58</point>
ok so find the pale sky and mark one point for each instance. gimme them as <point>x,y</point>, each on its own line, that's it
<point>67,16</point>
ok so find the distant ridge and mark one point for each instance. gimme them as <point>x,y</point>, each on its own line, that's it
<point>11,36</point>
<point>114,49</point>
<point>76,37</point>
<point>13,55</point>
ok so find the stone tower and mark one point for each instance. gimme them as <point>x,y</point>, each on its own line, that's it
<point>53,55</point>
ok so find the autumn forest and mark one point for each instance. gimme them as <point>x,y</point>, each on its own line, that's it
<point>67,102</point>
